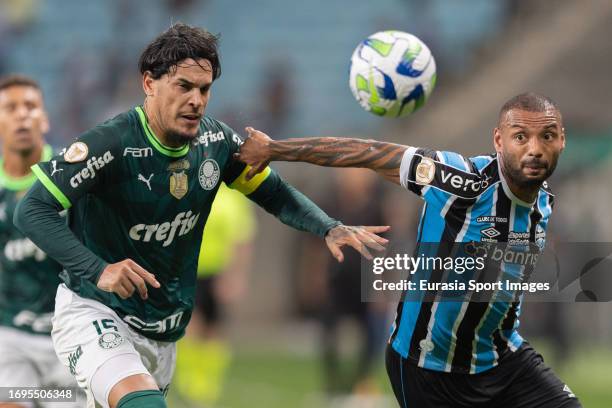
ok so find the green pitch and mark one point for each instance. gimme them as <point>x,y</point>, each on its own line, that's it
<point>279,379</point>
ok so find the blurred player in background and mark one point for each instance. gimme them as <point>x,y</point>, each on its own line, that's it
<point>140,187</point>
<point>226,254</point>
<point>453,353</point>
<point>28,277</point>
<point>339,299</point>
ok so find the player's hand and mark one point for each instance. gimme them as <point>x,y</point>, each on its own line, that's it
<point>126,277</point>
<point>255,151</point>
<point>360,238</point>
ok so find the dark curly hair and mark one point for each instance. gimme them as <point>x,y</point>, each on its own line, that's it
<point>179,42</point>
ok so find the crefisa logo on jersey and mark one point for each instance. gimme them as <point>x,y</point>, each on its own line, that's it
<point>183,223</point>
<point>208,137</point>
<point>209,174</point>
<point>93,165</point>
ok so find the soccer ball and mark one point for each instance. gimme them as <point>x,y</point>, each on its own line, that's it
<point>392,73</point>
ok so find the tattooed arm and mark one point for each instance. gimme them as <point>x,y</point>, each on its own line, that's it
<point>385,158</point>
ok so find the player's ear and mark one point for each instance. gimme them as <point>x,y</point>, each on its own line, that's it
<point>562,138</point>
<point>147,83</point>
<point>497,140</point>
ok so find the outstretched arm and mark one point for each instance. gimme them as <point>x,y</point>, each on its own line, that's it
<point>384,158</point>
<point>295,209</point>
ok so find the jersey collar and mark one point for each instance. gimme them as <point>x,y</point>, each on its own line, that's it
<point>155,142</point>
<point>509,192</point>
<point>25,182</point>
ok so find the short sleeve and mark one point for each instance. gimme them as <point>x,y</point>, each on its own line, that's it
<point>436,175</point>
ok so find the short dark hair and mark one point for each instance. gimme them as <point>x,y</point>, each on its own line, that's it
<point>10,80</point>
<point>179,42</point>
<point>528,101</point>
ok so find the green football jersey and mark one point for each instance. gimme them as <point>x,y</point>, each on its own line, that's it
<point>28,277</point>
<point>132,197</point>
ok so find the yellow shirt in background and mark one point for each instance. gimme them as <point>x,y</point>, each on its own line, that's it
<point>231,222</point>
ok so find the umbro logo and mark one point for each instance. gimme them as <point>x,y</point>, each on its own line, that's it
<point>490,232</point>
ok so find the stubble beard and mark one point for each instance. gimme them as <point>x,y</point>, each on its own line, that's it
<point>178,138</point>
<point>514,171</point>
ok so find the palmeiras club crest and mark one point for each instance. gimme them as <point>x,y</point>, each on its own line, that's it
<point>209,174</point>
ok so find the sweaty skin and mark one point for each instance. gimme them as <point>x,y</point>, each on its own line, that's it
<point>529,145</point>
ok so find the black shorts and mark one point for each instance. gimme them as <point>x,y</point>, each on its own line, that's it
<point>521,380</point>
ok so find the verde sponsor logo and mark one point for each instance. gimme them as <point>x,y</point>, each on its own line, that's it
<point>93,165</point>
<point>208,137</point>
<point>73,359</point>
<point>183,223</point>
<point>19,249</point>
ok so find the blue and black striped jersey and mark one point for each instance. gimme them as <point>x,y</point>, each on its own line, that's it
<point>466,200</point>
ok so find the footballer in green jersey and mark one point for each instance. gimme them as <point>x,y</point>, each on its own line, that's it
<point>28,277</point>
<point>139,189</point>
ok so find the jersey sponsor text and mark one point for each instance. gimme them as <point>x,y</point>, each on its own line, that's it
<point>138,152</point>
<point>166,231</point>
<point>19,249</point>
<point>208,137</point>
<point>89,171</point>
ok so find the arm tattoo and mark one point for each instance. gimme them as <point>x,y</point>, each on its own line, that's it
<point>340,152</point>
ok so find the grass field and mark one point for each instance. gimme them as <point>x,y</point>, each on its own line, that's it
<point>277,379</point>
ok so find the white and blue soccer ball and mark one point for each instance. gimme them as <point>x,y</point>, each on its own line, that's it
<point>392,73</point>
